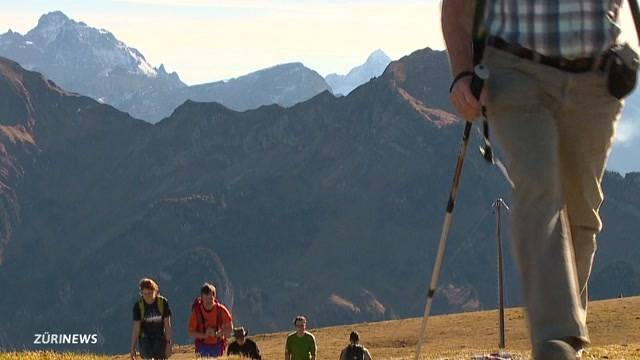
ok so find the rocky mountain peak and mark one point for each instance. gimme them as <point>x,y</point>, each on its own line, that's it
<point>374,66</point>
<point>50,26</point>
<point>378,56</point>
<point>53,18</point>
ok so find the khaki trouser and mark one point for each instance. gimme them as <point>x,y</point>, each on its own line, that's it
<point>555,129</point>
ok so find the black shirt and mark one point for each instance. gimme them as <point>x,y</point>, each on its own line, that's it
<point>248,349</point>
<point>151,324</point>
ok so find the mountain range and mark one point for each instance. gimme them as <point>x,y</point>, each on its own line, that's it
<point>285,85</point>
<point>95,63</point>
<point>331,208</point>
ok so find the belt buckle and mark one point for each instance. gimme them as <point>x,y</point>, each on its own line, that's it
<point>536,57</point>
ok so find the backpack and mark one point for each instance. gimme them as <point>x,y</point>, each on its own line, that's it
<point>196,307</point>
<point>355,352</point>
<point>161,300</point>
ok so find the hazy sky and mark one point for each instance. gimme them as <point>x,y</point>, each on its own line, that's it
<point>205,40</point>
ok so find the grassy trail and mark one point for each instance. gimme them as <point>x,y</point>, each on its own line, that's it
<point>614,326</point>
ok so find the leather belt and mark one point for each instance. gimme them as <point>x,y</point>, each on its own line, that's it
<point>579,65</point>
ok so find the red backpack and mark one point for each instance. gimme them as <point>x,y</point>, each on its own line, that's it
<point>197,307</point>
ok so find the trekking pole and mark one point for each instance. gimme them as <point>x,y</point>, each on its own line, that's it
<point>635,14</point>
<point>498,205</point>
<point>481,73</point>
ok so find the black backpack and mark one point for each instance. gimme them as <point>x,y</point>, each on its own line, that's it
<point>355,352</point>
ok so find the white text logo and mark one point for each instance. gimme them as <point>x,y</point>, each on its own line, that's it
<point>47,339</point>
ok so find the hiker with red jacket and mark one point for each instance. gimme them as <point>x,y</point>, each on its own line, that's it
<point>210,323</point>
<point>151,323</point>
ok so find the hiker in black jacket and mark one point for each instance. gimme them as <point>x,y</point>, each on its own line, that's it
<point>355,351</point>
<point>243,346</point>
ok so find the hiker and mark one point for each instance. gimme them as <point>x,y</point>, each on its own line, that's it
<point>210,323</point>
<point>301,345</point>
<point>548,102</point>
<point>151,323</point>
<point>243,346</point>
<point>355,351</point>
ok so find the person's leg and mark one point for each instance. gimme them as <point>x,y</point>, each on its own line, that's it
<point>201,351</point>
<point>152,348</point>
<point>145,346</point>
<point>159,349</point>
<point>521,104</point>
<point>587,125</point>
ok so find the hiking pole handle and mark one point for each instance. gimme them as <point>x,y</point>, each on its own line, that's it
<point>480,74</point>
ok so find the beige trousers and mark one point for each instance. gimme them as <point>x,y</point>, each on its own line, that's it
<point>555,129</point>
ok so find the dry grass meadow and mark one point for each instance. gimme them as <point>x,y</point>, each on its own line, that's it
<point>614,326</point>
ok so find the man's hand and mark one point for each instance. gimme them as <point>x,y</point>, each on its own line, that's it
<point>210,332</point>
<point>133,355</point>
<point>466,105</point>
